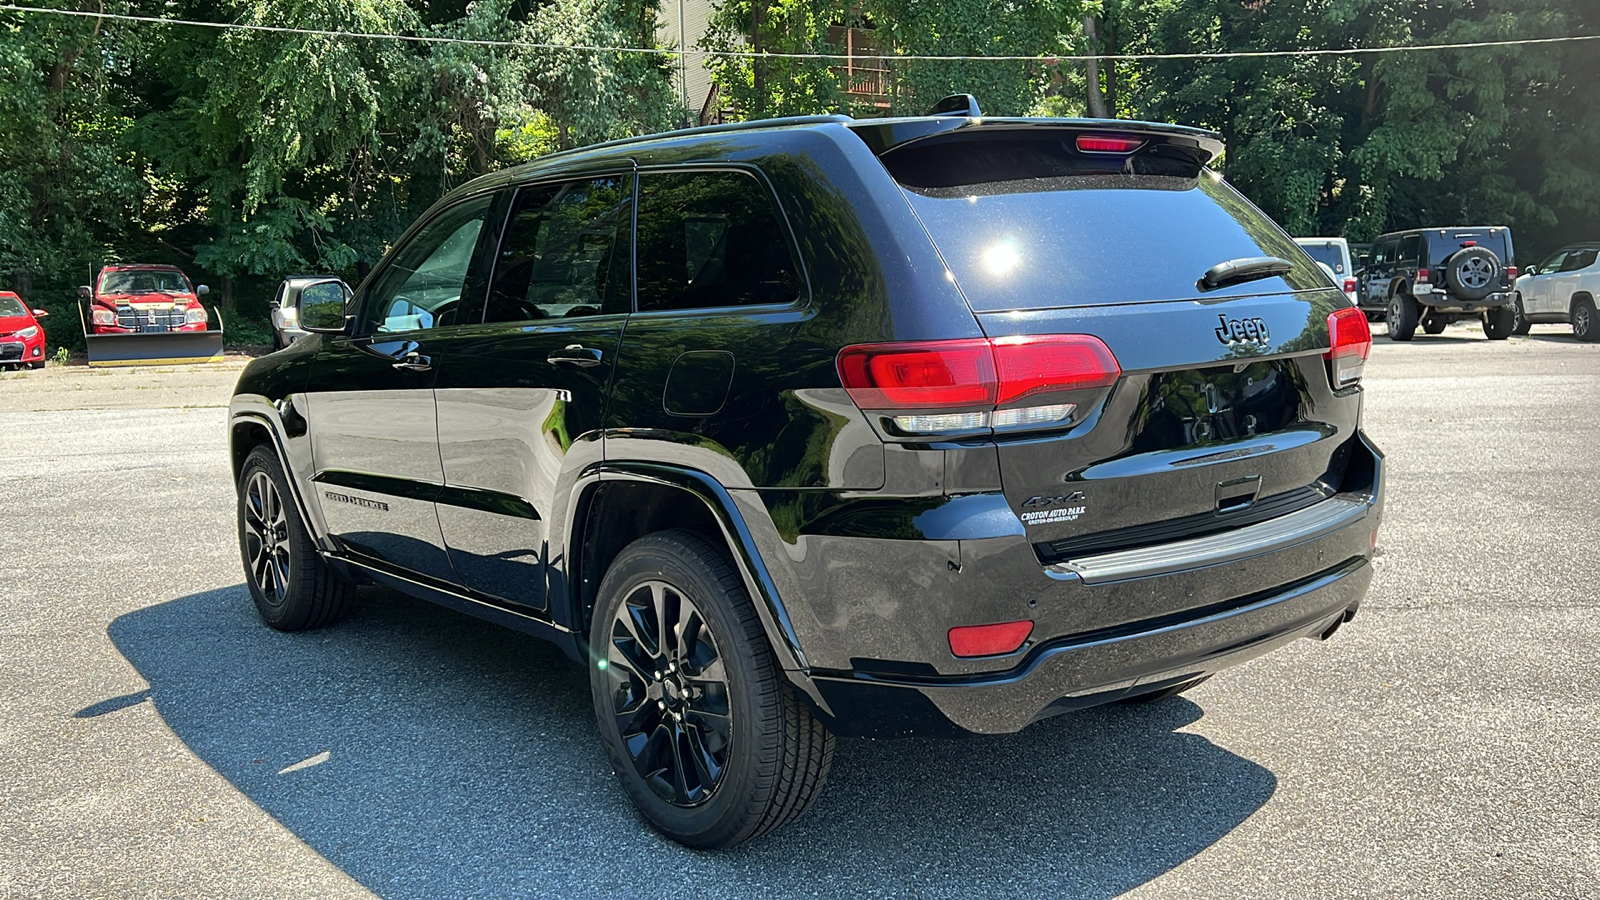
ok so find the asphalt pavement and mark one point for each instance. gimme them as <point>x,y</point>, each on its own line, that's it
<point>157,740</point>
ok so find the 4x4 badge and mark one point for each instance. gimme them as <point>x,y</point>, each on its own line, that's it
<point>1232,331</point>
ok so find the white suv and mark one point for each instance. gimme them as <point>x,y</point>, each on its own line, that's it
<point>1563,288</point>
<point>1334,253</point>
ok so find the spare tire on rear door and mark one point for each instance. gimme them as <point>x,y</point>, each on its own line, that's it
<point>1471,272</point>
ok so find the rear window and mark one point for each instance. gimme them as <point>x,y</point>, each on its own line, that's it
<point>1443,243</point>
<point>1030,223</point>
<point>1328,254</point>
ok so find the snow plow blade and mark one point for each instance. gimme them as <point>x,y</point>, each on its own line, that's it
<point>154,348</point>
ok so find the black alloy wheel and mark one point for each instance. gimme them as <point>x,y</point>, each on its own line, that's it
<point>1585,323</point>
<point>704,731</point>
<point>670,693</point>
<point>1403,314</point>
<point>292,585</point>
<point>265,535</point>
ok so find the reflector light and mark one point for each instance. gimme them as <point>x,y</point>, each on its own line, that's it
<point>989,640</point>
<point>1422,274</point>
<point>1101,143</point>
<point>1469,243</point>
<point>1349,343</point>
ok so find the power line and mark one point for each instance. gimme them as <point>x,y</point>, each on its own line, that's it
<point>745,54</point>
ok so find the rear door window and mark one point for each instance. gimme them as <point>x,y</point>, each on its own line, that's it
<point>709,240</point>
<point>1028,222</point>
<point>1409,247</point>
<point>1328,254</point>
<point>565,252</point>
<point>1579,259</point>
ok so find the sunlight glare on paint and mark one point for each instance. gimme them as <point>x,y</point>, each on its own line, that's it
<point>1001,257</point>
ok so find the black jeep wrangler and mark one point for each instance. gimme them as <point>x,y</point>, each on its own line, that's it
<point>1434,276</point>
<point>818,426</point>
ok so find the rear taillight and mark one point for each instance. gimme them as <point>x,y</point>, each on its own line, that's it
<point>1422,274</point>
<point>1511,272</point>
<point>977,384</point>
<point>1349,285</point>
<point>1097,143</point>
<point>1349,342</point>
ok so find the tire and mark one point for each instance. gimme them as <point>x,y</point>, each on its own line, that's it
<point>757,757</point>
<point>1585,323</point>
<point>1471,273</point>
<point>1523,324</point>
<point>1404,311</point>
<point>292,585</point>
<point>1498,323</point>
<point>1164,693</point>
<point>1434,325</point>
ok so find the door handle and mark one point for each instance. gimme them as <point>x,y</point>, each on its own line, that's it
<point>414,362</point>
<point>575,355</point>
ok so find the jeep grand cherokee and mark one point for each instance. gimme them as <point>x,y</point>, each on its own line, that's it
<point>819,426</point>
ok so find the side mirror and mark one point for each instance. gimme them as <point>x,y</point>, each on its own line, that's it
<point>201,291</point>
<point>85,292</point>
<point>320,306</point>
<point>1531,270</point>
<point>41,314</point>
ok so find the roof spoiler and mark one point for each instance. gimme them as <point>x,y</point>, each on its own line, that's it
<point>884,135</point>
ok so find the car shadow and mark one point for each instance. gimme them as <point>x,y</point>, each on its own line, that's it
<point>1554,337</point>
<point>428,754</point>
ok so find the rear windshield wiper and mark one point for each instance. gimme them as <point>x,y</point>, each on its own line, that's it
<point>1238,271</point>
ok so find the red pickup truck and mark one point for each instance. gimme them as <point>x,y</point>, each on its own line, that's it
<point>139,313</point>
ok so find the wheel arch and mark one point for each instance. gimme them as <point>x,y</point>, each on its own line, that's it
<point>621,502</point>
<point>1572,302</point>
<point>249,428</point>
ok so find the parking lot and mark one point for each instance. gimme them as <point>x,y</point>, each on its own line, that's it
<point>157,740</point>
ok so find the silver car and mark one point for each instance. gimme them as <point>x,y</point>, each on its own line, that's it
<point>286,303</point>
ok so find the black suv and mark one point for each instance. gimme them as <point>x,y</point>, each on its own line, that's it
<point>1434,276</point>
<point>819,426</point>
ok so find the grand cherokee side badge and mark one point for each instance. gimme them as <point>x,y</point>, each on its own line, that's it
<point>1233,331</point>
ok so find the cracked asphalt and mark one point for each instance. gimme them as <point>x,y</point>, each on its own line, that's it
<point>157,740</point>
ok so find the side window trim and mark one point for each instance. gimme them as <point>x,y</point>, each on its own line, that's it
<point>493,221</point>
<point>800,302</point>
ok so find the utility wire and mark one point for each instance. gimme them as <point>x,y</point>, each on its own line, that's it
<point>745,54</point>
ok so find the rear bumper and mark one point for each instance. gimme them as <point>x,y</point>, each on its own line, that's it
<point>1106,626</point>
<point>1443,302</point>
<point>1073,673</point>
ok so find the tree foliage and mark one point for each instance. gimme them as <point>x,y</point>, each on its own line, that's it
<point>1336,145</point>
<point>244,156</point>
